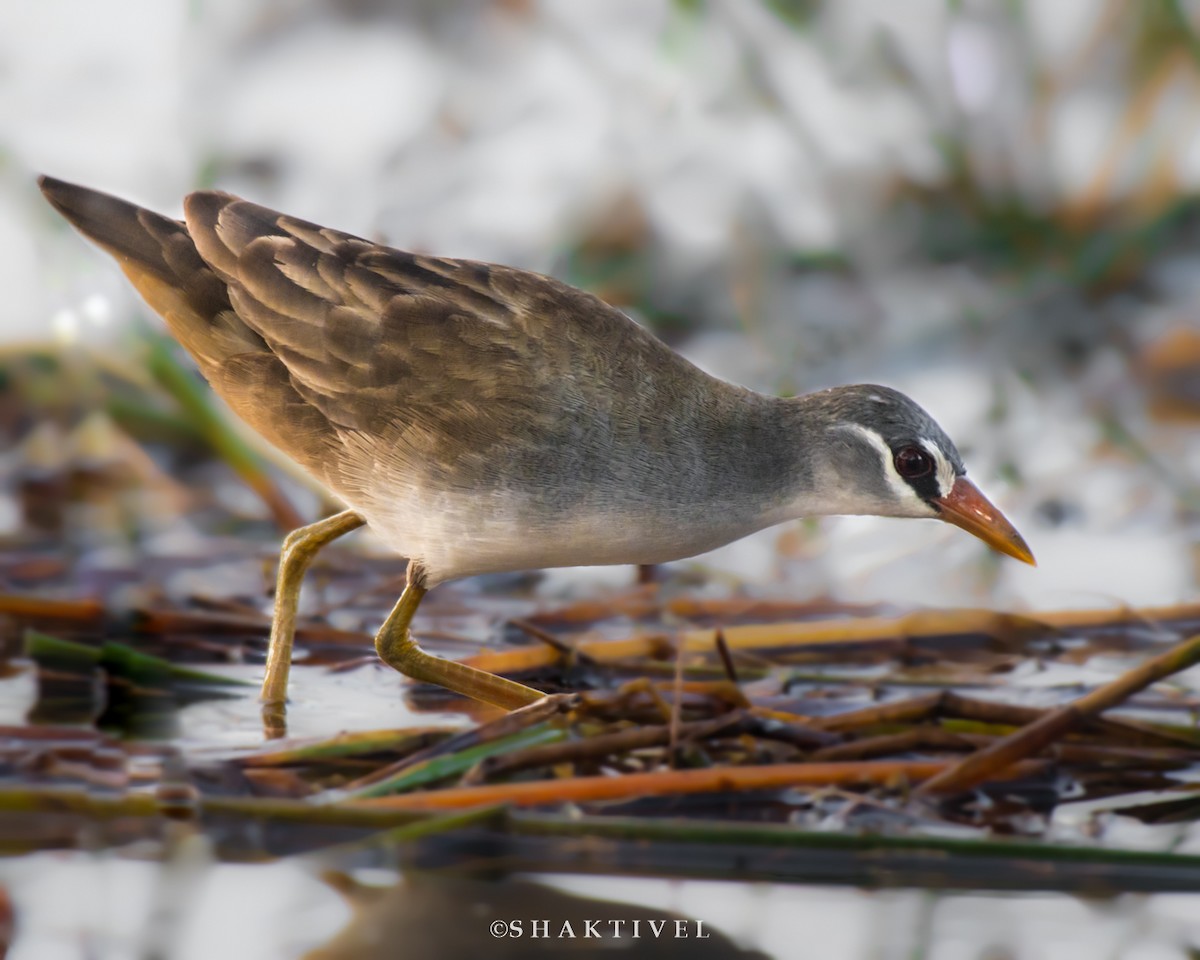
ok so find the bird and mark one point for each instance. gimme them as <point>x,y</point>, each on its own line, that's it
<point>481,418</point>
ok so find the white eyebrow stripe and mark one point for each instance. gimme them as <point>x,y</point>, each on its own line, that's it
<point>945,469</point>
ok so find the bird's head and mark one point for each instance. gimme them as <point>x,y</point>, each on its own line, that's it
<point>877,452</point>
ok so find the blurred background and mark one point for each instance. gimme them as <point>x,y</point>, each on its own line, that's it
<point>989,205</point>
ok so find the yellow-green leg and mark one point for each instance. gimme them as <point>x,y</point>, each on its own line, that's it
<point>396,647</point>
<point>295,556</point>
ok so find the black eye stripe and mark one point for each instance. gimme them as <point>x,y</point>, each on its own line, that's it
<point>918,468</point>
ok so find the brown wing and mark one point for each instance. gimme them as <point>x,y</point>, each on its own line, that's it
<point>423,363</point>
<point>361,361</point>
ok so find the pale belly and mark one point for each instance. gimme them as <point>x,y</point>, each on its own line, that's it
<point>459,535</point>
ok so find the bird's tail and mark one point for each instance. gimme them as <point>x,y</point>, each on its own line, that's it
<point>161,260</point>
<point>130,233</point>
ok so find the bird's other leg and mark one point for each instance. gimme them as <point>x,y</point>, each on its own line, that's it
<point>396,648</point>
<point>295,556</point>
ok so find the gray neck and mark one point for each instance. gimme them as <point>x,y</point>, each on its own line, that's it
<point>760,455</point>
<point>694,451</point>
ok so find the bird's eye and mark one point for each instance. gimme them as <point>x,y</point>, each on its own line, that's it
<point>912,463</point>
